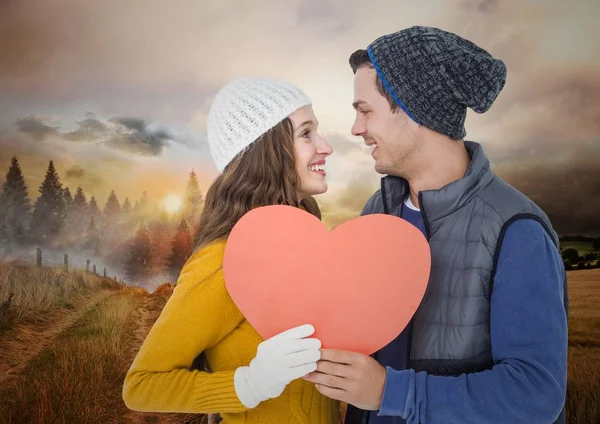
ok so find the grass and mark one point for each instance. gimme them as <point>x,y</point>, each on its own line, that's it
<point>27,291</point>
<point>78,378</point>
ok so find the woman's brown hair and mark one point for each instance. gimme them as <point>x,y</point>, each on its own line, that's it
<point>264,174</point>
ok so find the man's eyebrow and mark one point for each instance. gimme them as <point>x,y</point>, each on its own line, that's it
<point>359,103</point>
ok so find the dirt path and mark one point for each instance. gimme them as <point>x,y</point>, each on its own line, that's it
<point>26,341</point>
<point>147,314</point>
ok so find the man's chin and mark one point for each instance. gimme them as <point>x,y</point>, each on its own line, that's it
<point>381,169</point>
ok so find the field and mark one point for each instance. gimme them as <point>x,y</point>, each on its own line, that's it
<point>583,398</point>
<point>67,340</point>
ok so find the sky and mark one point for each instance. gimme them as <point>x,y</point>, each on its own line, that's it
<point>117,93</point>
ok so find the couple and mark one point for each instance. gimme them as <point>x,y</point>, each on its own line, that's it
<point>489,341</point>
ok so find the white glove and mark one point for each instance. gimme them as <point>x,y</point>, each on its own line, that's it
<point>279,360</point>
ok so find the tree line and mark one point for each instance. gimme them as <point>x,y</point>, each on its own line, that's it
<point>138,238</point>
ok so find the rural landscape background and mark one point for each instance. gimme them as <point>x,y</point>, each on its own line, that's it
<point>104,163</point>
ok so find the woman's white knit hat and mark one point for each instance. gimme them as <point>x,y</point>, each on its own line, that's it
<point>244,110</point>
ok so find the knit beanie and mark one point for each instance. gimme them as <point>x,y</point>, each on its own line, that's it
<point>245,109</point>
<point>435,75</point>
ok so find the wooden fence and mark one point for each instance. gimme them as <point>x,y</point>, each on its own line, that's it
<point>87,266</point>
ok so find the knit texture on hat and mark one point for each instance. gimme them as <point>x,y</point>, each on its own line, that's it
<point>244,110</point>
<point>435,75</point>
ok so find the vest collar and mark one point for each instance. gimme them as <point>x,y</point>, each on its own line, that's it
<point>436,204</point>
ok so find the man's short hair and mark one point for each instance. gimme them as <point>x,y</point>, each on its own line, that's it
<point>359,59</point>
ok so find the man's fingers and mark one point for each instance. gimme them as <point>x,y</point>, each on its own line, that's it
<point>332,393</point>
<point>327,380</point>
<point>333,368</point>
<point>340,356</point>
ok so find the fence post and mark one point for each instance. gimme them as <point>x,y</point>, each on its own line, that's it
<point>95,269</point>
<point>66,262</point>
<point>87,266</point>
<point>39,257</point>
<point>104,272</point>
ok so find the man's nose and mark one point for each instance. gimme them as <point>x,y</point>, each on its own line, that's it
<point>358,128</point>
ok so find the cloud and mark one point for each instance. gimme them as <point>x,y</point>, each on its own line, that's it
<point>36,127</point>
<point>569,191</point>
<point>90,129</point>
<point>133,135</point>
<point>75,172</point>
<point>129,134</point>
<point>77,175</point>
<point>554,114</point>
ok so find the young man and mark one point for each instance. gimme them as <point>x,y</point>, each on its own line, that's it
<point>489,341</point>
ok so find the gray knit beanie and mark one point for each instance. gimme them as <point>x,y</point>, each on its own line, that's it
<point>434,75</point>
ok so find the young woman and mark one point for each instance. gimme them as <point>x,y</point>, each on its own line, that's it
<point>263,139</point>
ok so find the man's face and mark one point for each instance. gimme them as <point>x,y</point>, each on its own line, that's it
<point>391,136</point>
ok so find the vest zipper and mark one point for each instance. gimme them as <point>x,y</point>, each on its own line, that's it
<point>422,209</point>
<point>384,197</point>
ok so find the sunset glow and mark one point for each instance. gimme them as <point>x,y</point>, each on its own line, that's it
<point>172,203</point>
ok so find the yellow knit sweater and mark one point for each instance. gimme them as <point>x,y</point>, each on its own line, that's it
<point>200,316</point>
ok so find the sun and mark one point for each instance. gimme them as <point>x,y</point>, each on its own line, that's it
<point>172,203</point>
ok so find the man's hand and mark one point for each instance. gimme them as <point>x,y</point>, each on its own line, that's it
<point>349,377</point>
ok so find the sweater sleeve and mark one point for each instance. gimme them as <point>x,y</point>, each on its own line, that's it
<point>198,315</point>
<point>528,324</point>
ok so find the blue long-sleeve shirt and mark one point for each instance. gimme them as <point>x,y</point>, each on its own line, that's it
<point>528,327</point>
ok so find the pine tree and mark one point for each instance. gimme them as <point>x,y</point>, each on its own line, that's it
<point>181,249</point>
<point>140,255</point>
<point>126,206</point>
<point>193,201</point>
<point>140,210</point>
<point>144,202</point>
<point>161,234</point>
<point>92,238</point>
<point>68,198</point>
<point>129,219</point>
<point>112,206</point>
<point>93,209</point>
<point>69,235</point>
<point>111,228</point>
<point>76,220</point>
<point>49,209</point>
<point>15,206</point>
<point>80,201</point>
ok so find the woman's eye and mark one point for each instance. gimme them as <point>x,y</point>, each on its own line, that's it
<point>305,133</point>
